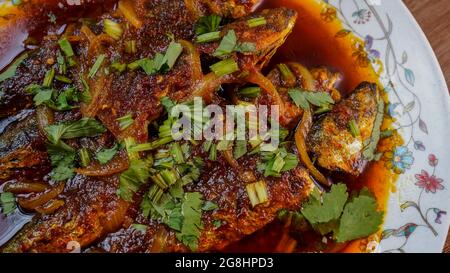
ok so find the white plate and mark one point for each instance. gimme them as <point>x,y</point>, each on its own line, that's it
<point>417,217</point>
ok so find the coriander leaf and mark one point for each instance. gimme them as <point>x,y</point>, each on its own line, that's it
<point>290,162</point>
<point>191,211</point>
<point>85,127</point>
<point>359,219</point>
<point>227,45</point>
<point>303,98</point>
<point>329,209</point>
<point>207,24</point>
<point>209,205</point>
<point>246,47</point>
<point>11,71</point>
<point>62,160</point>
<point>172,53</point>
<point>43,96</point>
<point>147,65</point>
<point>7,202</point>
<point>105,155</point>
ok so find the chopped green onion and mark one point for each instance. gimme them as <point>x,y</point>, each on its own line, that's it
<point>71,62</point>
<point>323,109</point>
<point>225,67</point>
<point>155,193</point>
<point>125,121</point>
<point>169,176</point>
<point>288,77</point>
<point>245,47</point>
<point>62,68</point>
<point>208,37</point>
<point>254,22</point>
<point>172,53</point>
<point>134,65</point>
<point>141,147</point>
<point>353,127</point>
<point>257,193</point>
<point>207,145</point>
<point>113,29</point>
<point>119,67</point>
<point>84,157</point>
<point>129,143</point>
<point>177,153</point>
<point>86,94</point>
<point>250,92</point>
<point>213,152</point>
<point>140,227</point>
<point>48,79</point>
<point>96,65</point>
<point>130,47</point>
<point>63,79</point>
<point>161,141</point>
<point>66,47</point>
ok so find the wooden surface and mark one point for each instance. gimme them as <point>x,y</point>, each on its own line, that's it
<point>434,18</point>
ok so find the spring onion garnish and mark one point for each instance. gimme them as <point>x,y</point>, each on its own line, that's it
<point>250,92</point>
<point>130,47</point>
<point>7,202</point>
<point>119,67</point>
<point>353,128</point>
<point>129,143</point>
<point>63,79</point>
<point>62,68</point>
<point>288,77</point>
<point>125,121</point>
<point>207,24</point>
<point>134,65</point>
<point>96,65</point>
<point>278,163</point>
<point>227,45</point>
<point>208,37</point>
<point>257,193</point>
<point>48,79</point>
<point>84,157</point>
<point>177,153</point>
<point>213,152</point>
<point>173,52</point>
<point>66,47</point>
<point>254,22</point>
<point>113,29</point>
<point>225,67</point>
<point>240,149</point>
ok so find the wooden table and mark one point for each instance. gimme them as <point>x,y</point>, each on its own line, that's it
<point>433,16</point>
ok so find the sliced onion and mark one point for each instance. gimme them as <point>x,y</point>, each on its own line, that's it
<point>99,92</point>
<point>45,117</point>
<point>126,7</point>
<point>25,187</point>
<point>50,207</point>
<point>88,33</point>
<point>194,60</point>
<point>259,79</point>
<point>308,80</point>
<point>208,86</point>
<point>118,164</point>
<point>40,199</point>
<point>300,135</point>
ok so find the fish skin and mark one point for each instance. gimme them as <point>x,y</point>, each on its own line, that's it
<point>330,140</point>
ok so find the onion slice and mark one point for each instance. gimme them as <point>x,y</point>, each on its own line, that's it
<point>33,202</point>
<point>126,7</point>
<point>300,135</point>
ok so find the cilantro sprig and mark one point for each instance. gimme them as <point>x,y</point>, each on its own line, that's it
<point>347,218</point>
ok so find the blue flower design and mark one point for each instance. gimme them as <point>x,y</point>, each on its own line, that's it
<point>372,54</point>
<point>361,16</point>
<point>391,109</point>
<point>400,160</point>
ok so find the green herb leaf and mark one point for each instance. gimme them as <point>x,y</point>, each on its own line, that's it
<point>250,92</point>
<point>140,227</point>
<point>353,127</point>
<point>370,145</point>
<point>227,45</point>
<point>85,127</point>
<point>84,157</point>
<point>48,79</point>
<point>62,158</point>
<point>96,66</point>
<point>207,24</point>
<point>66,47</point>
<point>209,205</point>
<point>303,98</point>
<point>245,47</point>
<point>208,37</point>
<point>112,28</point>
<point>131,179</point>
<point>172,53</point>
<point>7,202</point>
<point>11,70</point>
<point>240,149</point>
<point>192,213</point>
<point>329,209</point>
<point>105,155</point>
<point>359,219</point>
